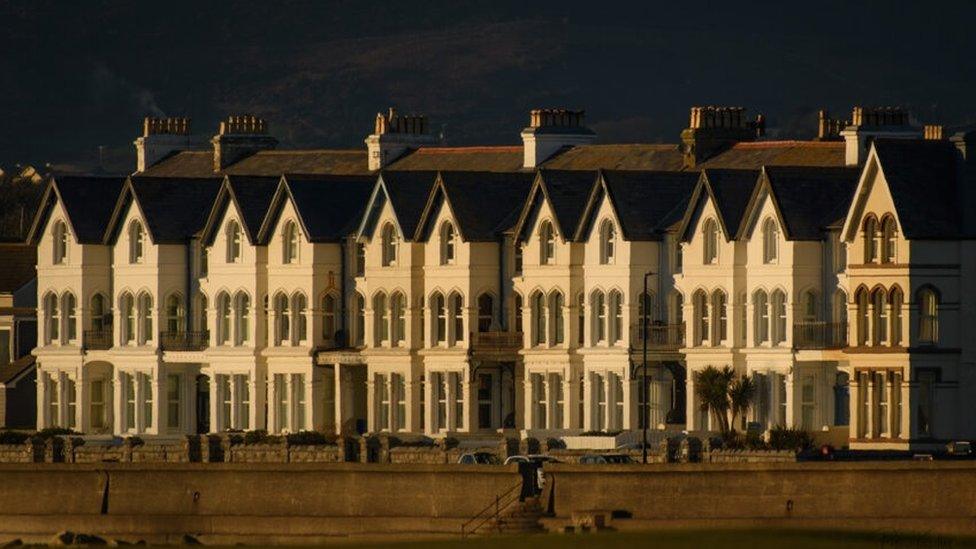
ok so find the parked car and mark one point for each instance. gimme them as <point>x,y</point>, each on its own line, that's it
<point>959,448</point>
<point>605,459</point>
<point>479,458</point>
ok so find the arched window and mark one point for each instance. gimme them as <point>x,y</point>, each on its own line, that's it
<point>145,317</point>
<point>896,298</point>
<point>440,317</point>
<point>69,306</point>
<point>174,314</point>
<point>598,306</point>
<point>539,327</point>
<point>329,317</point>
<point>760,306</point>
<point>616,317</point>
<point>811,310</point>
<point>282,319</point>
<point>608,242</point>
<point>289,243</point>
<point>889,239</point>
<point>700,304</point>
<point>710,242</point>
<point>98,313</point>
<point>448,237</point>
<point>928,315</point>
<point>581,317</point>
<point>360,319</point>
<point>879,317</point>
<point>242,318</point>
<point>390,242</point>
<point>457,314</point>
<point>486,305</point>
<point>557,304</point>
<point>60,238</point>
<point>770,235</point>
<point>301,320</point>
<point>779,316</point>
<point>518,313</point>
<point>137,238</point>
<point>863,314</point>
<point>52,316</point>
<point>381,319</point>
<point>223,319</point>
<point>128,310</point>
<point>870,239</point>
<point>719,317</point>
<point>547,244</point>
<point>398,309</point>
<point>234,239</point>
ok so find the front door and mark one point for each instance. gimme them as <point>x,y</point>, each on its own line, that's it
<point>485,400</point>
<point>203,404</point>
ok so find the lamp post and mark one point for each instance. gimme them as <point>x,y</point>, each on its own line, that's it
<point>645,408</point>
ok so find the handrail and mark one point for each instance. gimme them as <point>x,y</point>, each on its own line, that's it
<point>497,506</point>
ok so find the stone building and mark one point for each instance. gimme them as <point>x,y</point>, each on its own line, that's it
<point>417,288</point>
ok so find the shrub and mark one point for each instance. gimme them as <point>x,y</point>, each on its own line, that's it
<point>601,433</point>
<point>260,436</point>
<point>49,432</point>
<point>13,437</point>
<point>781,438</point>
<point>309,438</point>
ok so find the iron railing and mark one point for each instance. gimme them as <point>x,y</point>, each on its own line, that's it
<point>660,337</point>
<point>819,335</point>
<point>500,341</point>
<point>493,511</point>
<point>184,341</point>
<point>97,340</point>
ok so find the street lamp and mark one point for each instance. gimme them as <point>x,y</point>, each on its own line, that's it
<point>645,408</point>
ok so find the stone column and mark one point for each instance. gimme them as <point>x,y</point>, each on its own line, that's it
<point>256,402</point>
<point>118,403</point>
<point>430,403</point>
<point>570,402</point>
<point>631,399</point>
<point>894,391</point>
<point>469,397</point>
<point>289,420</point>
<point>371,404</point>
<point>691,409</point>
<point>234,418</point>
<point>340,391</point>
<point>527,398</point>
<point>854,406</point>
<point>272,396</point>
<point>904,385</point>
<point>451,408</point>
<point>215,402</point>
<point>158,423</point>
<point>869,399</point>
<point>81,401</point>
<point>610,417</point>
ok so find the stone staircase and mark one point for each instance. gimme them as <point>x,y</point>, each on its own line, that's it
<point>523,517</point>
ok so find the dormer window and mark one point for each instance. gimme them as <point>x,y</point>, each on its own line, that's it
<point>710,242</point>
<point>608,242</point>
<point>60,243</point>
<point>289,240</point>
<point>234,237</point>
<point>448,238</point>
<point>137,236</point>
<point>547,243</point>
<point>770,236</point>
<point>390,244</point>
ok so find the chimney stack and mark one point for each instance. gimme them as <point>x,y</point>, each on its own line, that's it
<point>828,129</point>
<point>161,137</point>
<point>393,134</point>
<point>550,130</point>
<point>868,123</point>
<point>239,137</point>
<point>712,130</point>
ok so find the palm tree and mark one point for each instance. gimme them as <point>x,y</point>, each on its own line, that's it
<point>723,395</point>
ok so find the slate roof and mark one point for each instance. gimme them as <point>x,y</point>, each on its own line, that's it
<point>481,159</point>
<point>14,370</point>
<point>647,203</point>
<point>663,157</point>
<point>731,191</point>
<point>408,192</point>
<point>175,208</point>
<point>253,197</point>
<point>567,192</point>
<point>811,199</point>
<point>265,163</point>
<point>19,266</point>
<point>330,206</point>
<point>756,154</point>
<point>922,177</point>
<point>484,203</point>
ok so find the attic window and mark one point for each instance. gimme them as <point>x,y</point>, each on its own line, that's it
<point>233,242</point>
<point>448,238</point>
<point>137,238</point>
<point>389,242</point>
<point>710,242</point>
<point>608,242</point>
<point>770,235</point>
<point>547,242</point>
<point>289,250</point>
<point>60,243</point>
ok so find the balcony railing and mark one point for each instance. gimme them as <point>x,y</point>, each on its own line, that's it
<point>660,337</point>
<point>819,335</point>
<point>496,341</point>
<point>184,341</point>
<point>97,340</point>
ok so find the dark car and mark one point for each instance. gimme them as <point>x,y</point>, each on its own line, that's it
<point>605,459</point>
<point>479,458</point>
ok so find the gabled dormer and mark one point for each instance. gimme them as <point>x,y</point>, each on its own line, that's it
<point>550,218</point>
<point>714,213</point>
<point>230,236</point>
<point>391,218</point>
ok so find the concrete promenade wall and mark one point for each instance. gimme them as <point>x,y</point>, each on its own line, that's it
<point>230,502</point>
<point>926,496</point>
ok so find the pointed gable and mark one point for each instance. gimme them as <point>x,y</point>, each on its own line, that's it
<point>87,201</point>
<point>468,193</point>
<point>249,196</point>
<point>730,191</point>
<point>646,203</point>
<point>174,209</point>
<point>806,199</point>
<point>567,194</point>
<point>407,193</point>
